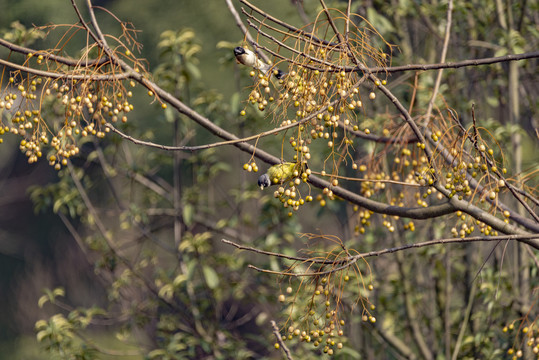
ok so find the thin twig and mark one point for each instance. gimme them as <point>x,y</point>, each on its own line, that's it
<point>509,186</point>
<point>384,181</point>
<point>474,184</point>
<point>243,29</point>
<point>287,26</point>
<point>442,60</point>
<point>455,65</point>
<point>106,236</point>
<point>48,56</point>
<point>347,20</point>
<point>417,132</point>
<point>376,138</point>
<point>411,310</point>
<point>66,75</point>
<point>82,22</point>
<point>332,67</point>
<point>283,346</point>
<point>462,330</point>
<point>352,259</point>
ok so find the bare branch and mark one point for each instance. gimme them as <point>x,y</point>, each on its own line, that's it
<point>308,36</point>
<point>68,75</point>
<point>82,22</point>
<point>455,65</point>
<point>48,56</point>
<point>349,260</point>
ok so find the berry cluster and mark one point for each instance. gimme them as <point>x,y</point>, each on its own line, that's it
<point>530,337</point>
<point>320,324</point>
<point>58,114</point>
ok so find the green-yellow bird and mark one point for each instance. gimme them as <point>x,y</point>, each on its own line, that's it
<point>278,174</point>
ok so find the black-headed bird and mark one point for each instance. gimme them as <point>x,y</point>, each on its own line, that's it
<point>278,174</point>
<point>249,58</point>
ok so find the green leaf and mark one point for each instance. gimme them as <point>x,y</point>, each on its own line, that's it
<point>379,22</point>
<point>178,280</point>
<point>57,204</point>
<point>261,319</point>
<point>58,292</point>
<point>166,292</point>
<point>41,335</point>
<point>212,279</point>
<point>353,354</point>
<point>226,45</point>
<point>155,353</point>
<point>235,103</point>
<point>193,70</point>
<point>41,324</point>
<point>42,300</point>
<point>188,212</point>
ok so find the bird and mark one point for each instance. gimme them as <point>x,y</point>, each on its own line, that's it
<point>249,58</point>
<point>278,174</point>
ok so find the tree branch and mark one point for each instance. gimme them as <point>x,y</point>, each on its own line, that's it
<point>350,259</point>
<point>277,334</point>
<point>48,56</point>
<point>66,75</point>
